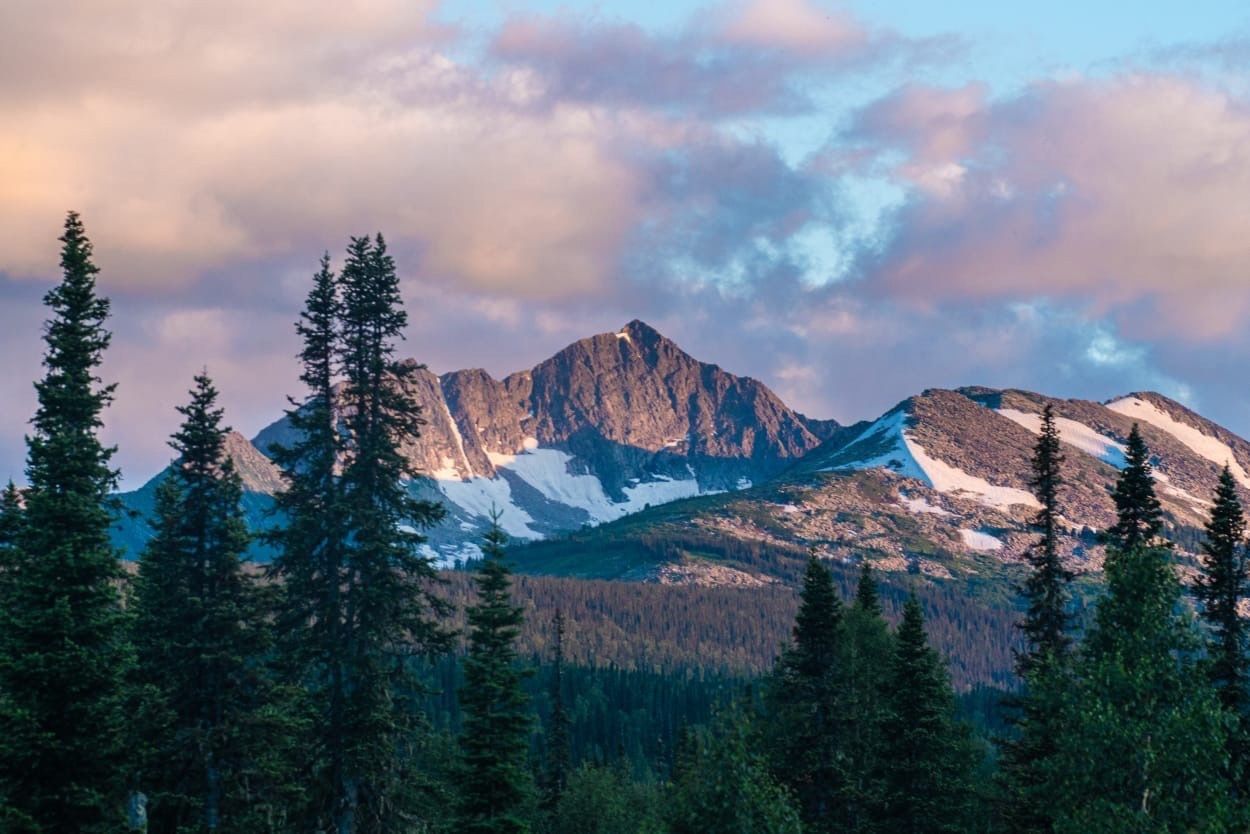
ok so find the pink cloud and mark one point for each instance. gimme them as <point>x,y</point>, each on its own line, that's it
<point>1112,193</point>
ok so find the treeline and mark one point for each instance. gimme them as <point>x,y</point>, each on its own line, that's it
<point>736,631</point>
<point>354,688</point>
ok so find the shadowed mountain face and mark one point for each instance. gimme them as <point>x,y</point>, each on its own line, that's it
<point>608,426</point>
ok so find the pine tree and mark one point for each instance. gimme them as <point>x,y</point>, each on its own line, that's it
<point>495,787</point>
<point>801,699</point>
<point>1046,591</point>
<point>864,659</point>
<point>63,650</point>
<point>927,757</point>
<point>199,636</point>
<point>559,757</point>
<point>1139,514</point>
<point>358,601</point>
<point>1042,664</point>
<point>1141,742</point>
<point>1221,586</point>
<point>724,785</point>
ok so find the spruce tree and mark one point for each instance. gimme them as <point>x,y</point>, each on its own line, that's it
<point>1139,516</point>
<point>864,660</point>
<point>495,786</point>
<point>723,785</point>
<point>1141,741</point>
<point>63,649</point>
<point>927,756</point>
<point>1221,587</point>
<point>200,637</point>
<point>1041,665</point>
<point>802,733</point>
<point>358,601</point>
<point>559,757</point>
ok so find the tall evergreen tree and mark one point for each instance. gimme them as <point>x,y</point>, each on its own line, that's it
<point>1046,590</point>
<point>1222,584</point>
<point>63,649</point>
<point>495,787</point>
<point>1042,663</point>
<point>1141,746</point>
<point>801,699</point>
<point>358,598</point>
<point>559,757</point>
<point>1139,516</point>
<point>864,662</point>
<point>927,757</point>
<point>723,785</point>
<point>199,636</point>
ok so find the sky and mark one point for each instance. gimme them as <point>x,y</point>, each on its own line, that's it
<point>851,201</point>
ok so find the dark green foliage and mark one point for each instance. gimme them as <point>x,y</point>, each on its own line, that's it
<point>927,757</point>
<point>558,751</point>
<point>495,786</point>
<point>604,800</point>
<point>1142,738</point>
<point>1221,586</point>
<point>1142,747</point>
<point>723,785</point>
<point>204,728</point>
<point>801,702</point>
<point>63,649</point>
<point>863,678</point>
<point>357,592</point>
<point>10,532</point>
<point>1046,591</point>
<point>1042,664</point>
<point>1139,515</point>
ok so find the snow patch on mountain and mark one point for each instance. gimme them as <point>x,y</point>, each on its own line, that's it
<point>906,457</point>
<point>1074,434</point>
<point>1205,445</point>
<point>980,541</point>
<point>481,496</point>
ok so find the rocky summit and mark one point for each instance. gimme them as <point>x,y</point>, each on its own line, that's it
<point>608,426</point>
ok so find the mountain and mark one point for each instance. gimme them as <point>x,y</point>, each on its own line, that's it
<point>938,485</point>
<point>608,426</point>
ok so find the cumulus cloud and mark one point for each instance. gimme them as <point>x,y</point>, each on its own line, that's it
<point>1126,195</point>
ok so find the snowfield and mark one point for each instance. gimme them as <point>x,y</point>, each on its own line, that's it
<point>907,458</point>
<point>1074,434</point>
<point>983,542</point>
<point>1211,448</point>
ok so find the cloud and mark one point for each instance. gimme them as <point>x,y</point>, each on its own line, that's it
<point>1124,195</point>
<point>751,58</point>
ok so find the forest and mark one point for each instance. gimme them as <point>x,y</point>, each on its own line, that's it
<point>350,686</point>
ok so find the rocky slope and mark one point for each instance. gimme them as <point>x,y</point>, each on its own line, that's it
<point>608,426</point>
<point>937,486</point>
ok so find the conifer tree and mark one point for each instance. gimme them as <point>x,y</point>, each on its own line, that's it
<point>495,787</point>
<point>1142,736</point>
<point>927,757</point>
<point>1041,665</point>
<point>864,660</point>
<point>1139,516</point>
<point>723,785</point>
<point>358,601</point>
<point>801,700</point>
<point>558,753</point>
<point>1221,586</point>
<point>63,649</point>
<point>199,636</point>
<point>1046,591</point>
